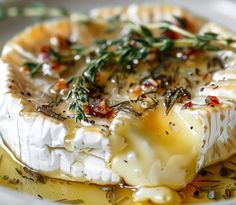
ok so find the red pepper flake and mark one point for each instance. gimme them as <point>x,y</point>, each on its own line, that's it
<point>99,108</point>
<point>136,90</point>
<point>172,35</point>
<point>44,52</point>
<point>60,84</point>
<point>151,84</point>
<point>87,109</point>
<point>143,96</point>
<point>185,24</point>
<point>56,66</point>
<point>212,100</point>
<point>24,70</point>
<point>187,105</point>
<point>44,56</point>
<point>189,52</point>
<point>98,76</point>
<point>46,48</point>
<point>62,42</point>
<point>205,76</point>
<point>110,114</point>
<point>133,43</point>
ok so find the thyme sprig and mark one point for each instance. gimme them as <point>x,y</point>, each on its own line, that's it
<point>79,96</point>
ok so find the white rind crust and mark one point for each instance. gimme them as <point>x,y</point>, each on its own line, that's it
<point>40,142</point>
<point>218,125</point>
<point>146,13</point>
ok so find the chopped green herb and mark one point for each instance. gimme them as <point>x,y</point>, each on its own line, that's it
<point>14,181</point>
<point>19,172</point>
<point>227,194</point>
<point>36,177</point>
<point>72,201</point>
<point>175,95</point>
<point>47,110</point>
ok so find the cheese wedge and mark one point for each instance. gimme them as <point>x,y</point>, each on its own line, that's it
<point>158,152</point>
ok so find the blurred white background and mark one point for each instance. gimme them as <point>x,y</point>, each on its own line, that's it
<point>221,11</point>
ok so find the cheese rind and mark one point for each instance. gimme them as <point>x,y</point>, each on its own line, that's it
<point>224,89</point>
<point>217,125</point>
<point>40,142</point>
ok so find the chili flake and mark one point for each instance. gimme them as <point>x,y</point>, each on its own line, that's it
<point>187,105</point>
<point>212,100</point>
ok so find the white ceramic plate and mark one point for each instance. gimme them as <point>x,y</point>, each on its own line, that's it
<point>221,11</point>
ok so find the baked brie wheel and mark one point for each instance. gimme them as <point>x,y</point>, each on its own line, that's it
<point>138,96</point>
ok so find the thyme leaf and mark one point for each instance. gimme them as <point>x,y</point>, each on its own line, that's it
<point>146,32</point>
<point>72,201</point>
<point>181,21</point>
<point>97,65</point>
<point>167,44</point>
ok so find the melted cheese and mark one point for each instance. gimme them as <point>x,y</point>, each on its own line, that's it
<point>157,150</point>
<point>158,195</point>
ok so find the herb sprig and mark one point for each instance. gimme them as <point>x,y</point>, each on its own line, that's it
<point>79,96</point>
